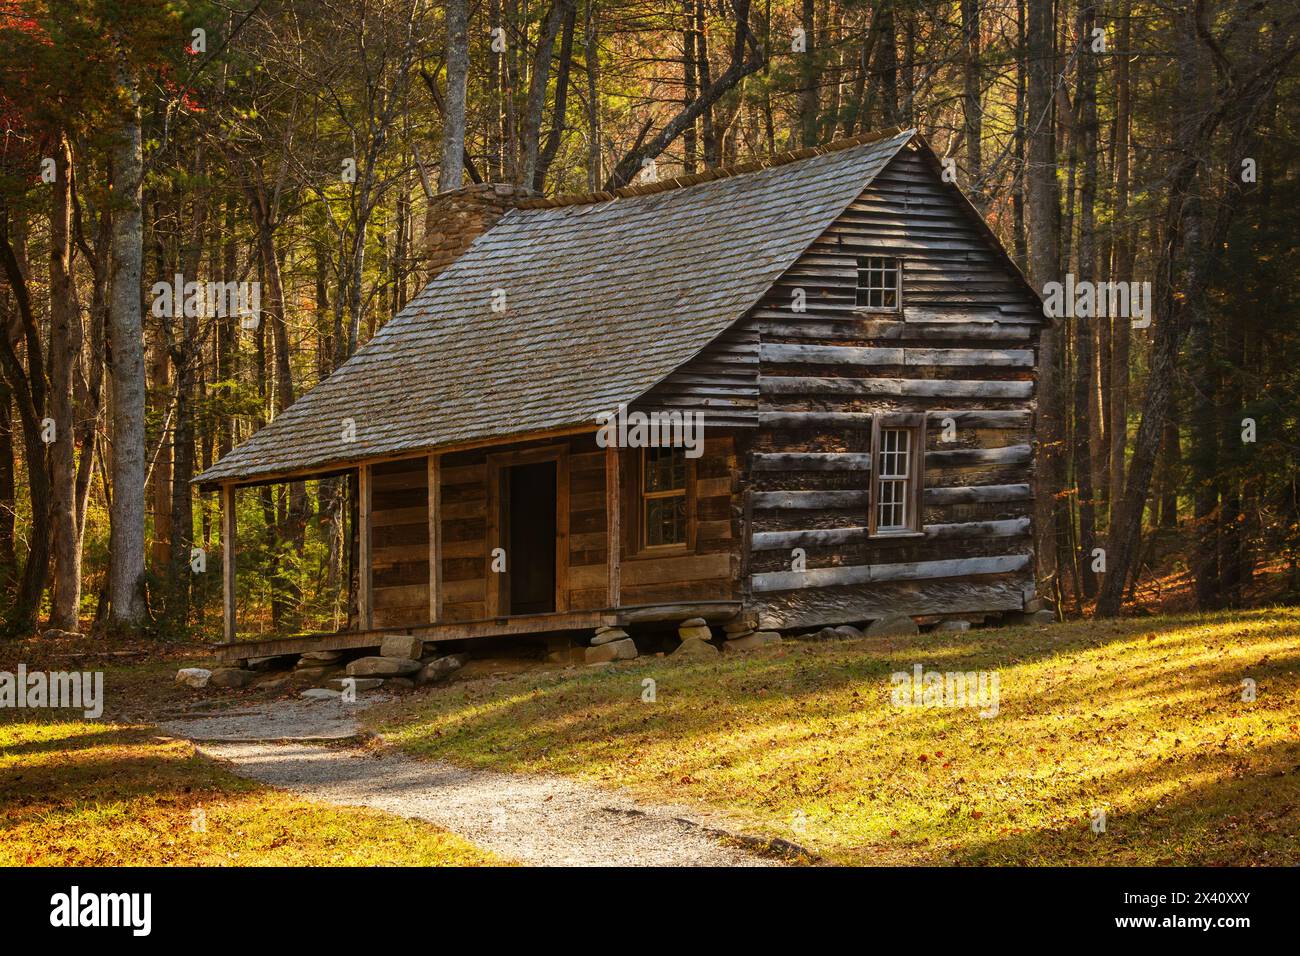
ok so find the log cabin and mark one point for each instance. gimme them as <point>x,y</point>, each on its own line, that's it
<point>856,347</point>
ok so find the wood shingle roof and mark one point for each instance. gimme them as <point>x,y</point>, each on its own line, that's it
<point>602,299</point>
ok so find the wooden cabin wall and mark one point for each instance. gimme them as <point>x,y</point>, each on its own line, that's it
<point>964,347</point>
<point>709,568</point>
<point>464,536</point>
<point>708,571</point>
<point>588,545</point>
<point>721,382</point>
<point>399,518</point>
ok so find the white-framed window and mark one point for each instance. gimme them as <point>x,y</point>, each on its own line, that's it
<point>880,283</point>
<point>894,463</point>
<point>897,453</point>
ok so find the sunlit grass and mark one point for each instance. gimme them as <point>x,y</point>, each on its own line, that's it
<point>99,794</point>
<point>1143,720</point>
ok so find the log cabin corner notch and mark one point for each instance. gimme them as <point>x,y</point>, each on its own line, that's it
<point>861,349</point>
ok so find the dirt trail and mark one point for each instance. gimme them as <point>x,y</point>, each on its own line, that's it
<point>549,821</point>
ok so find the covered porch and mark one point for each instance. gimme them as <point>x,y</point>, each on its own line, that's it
<point>543,535</point>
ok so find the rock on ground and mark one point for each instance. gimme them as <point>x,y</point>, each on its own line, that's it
<point>740,625</point>
<point>953,626</point>
<point>402,647</point>
<point>357,683</point>
<point>895,625</point>
<point>231,677</point>
<point>441,668</point>
<point>620,650</point>
<point>321,657</point>
<point>196,677</point>
<point>277,720</point>
<point>695,647</point>
<point>382,667</point>
<point>753,641</point>
<point>606,635</point>
<point>300,675</point>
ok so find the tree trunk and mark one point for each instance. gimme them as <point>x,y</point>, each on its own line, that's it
<point>29,391</point>
<point>808,78</point>
<point>1044,267</point>
<point>451,171</point>
<point>65,346</point>
<point>972,125</point>
<point>887,62</point>
<point>8,502</point>
<point>708,135</point>
<point>1117,427</point>
<point>1020,241</point>
<point>537,85</point>
<point>593,100</point>
<point>1086,136</point>
<point>184,357</point>
<point>126,536</point>
<point>689,88</point>
<point>559,113</point>
<point>711,90</point>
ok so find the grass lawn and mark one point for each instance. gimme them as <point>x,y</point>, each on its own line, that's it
<point>1142,719</point>
<point>114,791</point>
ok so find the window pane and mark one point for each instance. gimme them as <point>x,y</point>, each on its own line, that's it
<point>891,509</point>
<point>895,449</point>
<point>665,520</point>
<point>665,469</point>
<point>877,282</point>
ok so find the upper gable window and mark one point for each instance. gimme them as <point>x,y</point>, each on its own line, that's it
<point>879,283</point>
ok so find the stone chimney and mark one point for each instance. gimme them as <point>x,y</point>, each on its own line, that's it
<point>455,219</point>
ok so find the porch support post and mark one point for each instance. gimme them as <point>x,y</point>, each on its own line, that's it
<point>613,525</point>
<point>435,537</point>
<point>365,597</point>
<point>228,561</point>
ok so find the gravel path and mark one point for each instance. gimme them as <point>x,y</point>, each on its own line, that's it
<point>539,820</point>
<point>280,720</point>
<point>549,821</point>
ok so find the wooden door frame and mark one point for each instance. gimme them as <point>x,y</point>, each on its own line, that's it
<point>496,461</point>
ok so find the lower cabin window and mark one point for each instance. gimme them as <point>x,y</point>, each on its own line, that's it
<point>897,448</point>
<point>663,497</point>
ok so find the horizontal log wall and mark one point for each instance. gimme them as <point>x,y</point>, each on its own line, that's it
<point>963,352</point>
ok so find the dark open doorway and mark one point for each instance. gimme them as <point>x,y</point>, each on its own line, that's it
<point>530,543</point>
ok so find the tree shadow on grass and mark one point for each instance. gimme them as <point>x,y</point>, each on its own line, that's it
<point>513,719</point>
<point>1246,816</point>
<point>106,767</point>
<point>71,741</point>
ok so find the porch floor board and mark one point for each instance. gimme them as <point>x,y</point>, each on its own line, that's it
<point>712,611</point>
